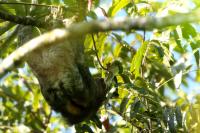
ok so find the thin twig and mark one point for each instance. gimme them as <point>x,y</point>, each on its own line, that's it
<point>96,52</point>
<point>123,44</point>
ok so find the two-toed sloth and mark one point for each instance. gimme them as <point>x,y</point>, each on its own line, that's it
<point>65,80</point>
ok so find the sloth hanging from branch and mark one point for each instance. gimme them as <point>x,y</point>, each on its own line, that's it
<point>65,80</point>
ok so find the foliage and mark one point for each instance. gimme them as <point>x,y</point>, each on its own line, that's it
<point>156,73</point>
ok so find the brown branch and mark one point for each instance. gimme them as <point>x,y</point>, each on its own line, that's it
<point>79,29</point>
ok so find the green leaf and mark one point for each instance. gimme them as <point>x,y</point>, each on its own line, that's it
<point>56,2</point>
<point>198,76</point>
<point>9,93</point>
<point>195,48</point>
<point>155,51</point>
<point>177,39</point>
<point>92,15</point>
<point>8,9</point>
<point>171,122</point>
<point>116,67</point>
<point>117,50</point>
<point>100,43</point>
<point>188,31</point>
<point>5,27</point>
<point>135,108</point>
<point>117,7</point>
<point>6,47</point>
<point>36,102</point>
<point>137,60</point>
<point>83,128</point>
<point>165,115</point>
<point>125,78</point>
<point>97,121</point>
<point>123,104</point>
<point>179,118</point>
<point>86,128</point>
<point>88,44</point>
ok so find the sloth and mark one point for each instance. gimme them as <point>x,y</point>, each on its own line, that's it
<point>65,81</point>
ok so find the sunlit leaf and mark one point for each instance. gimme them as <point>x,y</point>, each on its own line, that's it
<point>137,60</point>
<point>117,7</point>
<point>188,31</point>
<point>178,79</point>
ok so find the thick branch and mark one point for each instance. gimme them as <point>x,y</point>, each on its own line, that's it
<point>76,30</point>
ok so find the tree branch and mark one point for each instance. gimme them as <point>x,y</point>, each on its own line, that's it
<point>22,20</point>
<point>79,29</point>
<point>27,4</point>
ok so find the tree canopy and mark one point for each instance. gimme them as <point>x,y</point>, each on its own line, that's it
<point>146,50</point>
